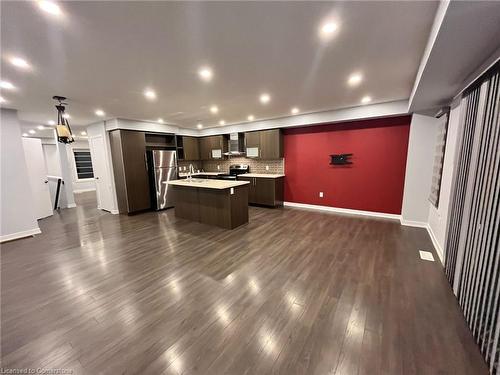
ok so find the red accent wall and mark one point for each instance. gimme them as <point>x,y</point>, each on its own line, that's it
<point>375,180</point>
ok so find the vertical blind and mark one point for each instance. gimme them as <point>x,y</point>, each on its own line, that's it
<point>472,242</point>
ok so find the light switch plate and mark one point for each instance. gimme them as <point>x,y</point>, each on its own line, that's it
<point>218,167</point>
<point>321,194</point>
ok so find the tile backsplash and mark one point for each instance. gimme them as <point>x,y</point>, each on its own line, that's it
<point>185,164</point>
<point>256,165</point>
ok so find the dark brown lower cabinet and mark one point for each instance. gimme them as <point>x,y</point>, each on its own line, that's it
<point>225,208</point>
<point>265,191</point>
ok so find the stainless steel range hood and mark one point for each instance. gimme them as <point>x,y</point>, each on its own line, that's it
<point>236,144</point>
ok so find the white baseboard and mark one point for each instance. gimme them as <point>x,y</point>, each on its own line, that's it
<point>78,191</point>
<point>435,242</point>
<point>343,210</point>
<point>417,224</point>
<point>17,235</point>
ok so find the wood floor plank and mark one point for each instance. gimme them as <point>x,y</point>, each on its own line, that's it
<point>291,292</point>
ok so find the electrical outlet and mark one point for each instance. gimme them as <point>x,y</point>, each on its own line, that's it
<point>218,167</point>
<point>267,167</point>
<point>321,194</point>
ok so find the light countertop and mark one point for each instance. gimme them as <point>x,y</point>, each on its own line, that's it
<point>207,183</point>
<point>264,175</point>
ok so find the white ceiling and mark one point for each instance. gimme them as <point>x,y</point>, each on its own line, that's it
<point>104,54</point>
<point>466,38</point>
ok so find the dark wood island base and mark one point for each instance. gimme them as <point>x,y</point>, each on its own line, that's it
<point>207,203</point>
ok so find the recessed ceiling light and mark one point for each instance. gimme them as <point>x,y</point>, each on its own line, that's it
<point>294,110</point>
<point>366,99</point>
<point>6,85</point>
<point>49,7</point>
<point>355,79</point>
<point>41,127</point>
<point>31,131</point>
<point>327,29</point>
<point>99,112</point>
<point>83,133</point>
<point>265,98</point>
<point>222,122</point>
<point>51,122</point>
<point>2,100</point>
<point>250,118</point>
<point>150,94</point>
<point>199,125</point>
<point>19,62</point>
<point>205,73</point>
<point>214,109</point>
<point>160,120</point>
<point>66,115</point>
<point>25,134</point>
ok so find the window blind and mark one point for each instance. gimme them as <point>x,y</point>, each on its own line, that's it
<point>473,235</point>
<point>438,160</point>
<point>83,163</point>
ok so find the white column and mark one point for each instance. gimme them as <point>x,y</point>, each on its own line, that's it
<point>17,217</point>
<point>66,196</point>
<point>419,167</point>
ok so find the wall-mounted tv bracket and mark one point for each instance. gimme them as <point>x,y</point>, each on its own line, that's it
<point>340,159</point>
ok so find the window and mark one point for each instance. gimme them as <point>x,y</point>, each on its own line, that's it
<point>83,164</point>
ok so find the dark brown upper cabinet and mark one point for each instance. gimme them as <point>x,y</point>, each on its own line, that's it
<point>213,147</point>
<point>128,152</point>
<point>191,148</point>
<point>264,144</point>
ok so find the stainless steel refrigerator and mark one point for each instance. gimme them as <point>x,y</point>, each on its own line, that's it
<point>163,168</point>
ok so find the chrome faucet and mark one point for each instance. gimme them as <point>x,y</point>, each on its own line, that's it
<point>191,171</point>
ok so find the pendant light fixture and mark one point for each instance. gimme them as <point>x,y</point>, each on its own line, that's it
<point>64,134</point>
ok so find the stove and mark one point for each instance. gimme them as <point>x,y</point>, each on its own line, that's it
<point>234,171</point>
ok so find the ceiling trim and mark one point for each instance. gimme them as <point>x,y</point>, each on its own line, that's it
<point>365,112</point>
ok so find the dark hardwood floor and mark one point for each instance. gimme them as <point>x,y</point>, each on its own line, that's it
<point>291,292</point>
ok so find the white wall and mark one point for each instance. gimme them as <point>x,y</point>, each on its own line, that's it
<point>438,217</point>
<point>419,166</point>
<point>17,218</point>
<point>79,185</point>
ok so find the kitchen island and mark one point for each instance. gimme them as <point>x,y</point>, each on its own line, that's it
<point>215,202</point>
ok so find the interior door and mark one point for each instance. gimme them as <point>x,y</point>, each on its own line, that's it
<point>37,172</point>
<point>101,177</point>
